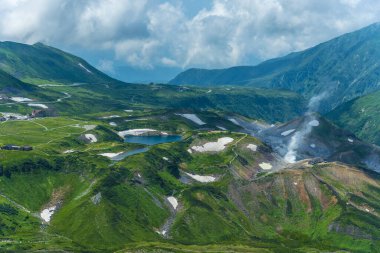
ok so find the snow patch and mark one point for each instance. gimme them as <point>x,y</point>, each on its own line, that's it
<point>165,158</point>
<point>350,140</point>
<point>111,155</point>
<point>234,121</point>
<point>202,179</point>
<point>135,132</point>
<point>20,99</point>
<point>113,124</point>
<point>69,151</point>
<point>9,115</point>
<point>111,117</point>
<point>221,128</point>
<point>96,198</point>
<point>265,166</point>
<point>286,133</point>
<point>47,213</point>
<point>312,145</point>
<point>252,147</point>
<point>190,151</point>
<point>173,201</point>
<point>38,105</point>
<point>128,110</point>
<point>89,127</point>
<point>314,123</point>
<point>83,67</point>
<point>214,146</point>
<point>91,137</point>
<point>194,118</point>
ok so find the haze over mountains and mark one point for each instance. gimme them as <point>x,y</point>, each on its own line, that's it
<point>345,67</point>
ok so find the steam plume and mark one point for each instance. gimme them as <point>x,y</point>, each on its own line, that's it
<point>298,138</point>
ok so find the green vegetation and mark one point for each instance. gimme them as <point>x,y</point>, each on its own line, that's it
<point>360,116</point>
<point>226,202</point>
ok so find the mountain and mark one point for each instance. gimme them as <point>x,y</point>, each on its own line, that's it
<point>345,67</point>
<point>93,91</point>
<point>187,177</point>
<point>361,116</point>
<point>11,85</point>
<point>39,63</point>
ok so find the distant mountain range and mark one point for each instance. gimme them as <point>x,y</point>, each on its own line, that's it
<point>345,67</point>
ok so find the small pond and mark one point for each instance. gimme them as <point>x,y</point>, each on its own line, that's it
<point>153,139</point>
<point>146,140</point>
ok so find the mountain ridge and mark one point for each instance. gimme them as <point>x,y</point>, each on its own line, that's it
<point>33,63</point>
<point>309,72</point>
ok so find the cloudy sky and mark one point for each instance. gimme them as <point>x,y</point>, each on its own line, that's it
<point>152,40</point>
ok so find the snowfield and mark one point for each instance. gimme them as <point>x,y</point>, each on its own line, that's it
<point>194,118</point>
<point>314,123</point>
<point>252,147</point>
<point>214,146</point>
<point>47,213</point>
<point>265,166</point>
<point>173,201</point>
<point>135,132</point>
<point>20,99</point>
<point>91,137</point>
<point>202,179</point>
<point>286,133</point>
<point>111,155</point>
<point>38,105</point>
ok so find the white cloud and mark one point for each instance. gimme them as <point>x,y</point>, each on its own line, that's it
<point>106,66</point>
<point>154,33</point>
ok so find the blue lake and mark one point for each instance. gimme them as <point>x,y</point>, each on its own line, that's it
<point>153,139</point>
<point>146,140</point>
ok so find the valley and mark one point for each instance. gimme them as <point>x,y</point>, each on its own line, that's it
<point>92,164</point>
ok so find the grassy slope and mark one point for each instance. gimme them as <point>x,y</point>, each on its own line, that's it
<point>360,116</point>
<point>40,63</point>
<point>254,214</point>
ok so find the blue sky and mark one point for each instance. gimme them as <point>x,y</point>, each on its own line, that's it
<point>152,40</point>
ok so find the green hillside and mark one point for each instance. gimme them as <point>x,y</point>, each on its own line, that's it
<point>361,116</point>
<point>122,206</point>
<point>39,63</point>
<point>71,182</point>
<point>11,85</point>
